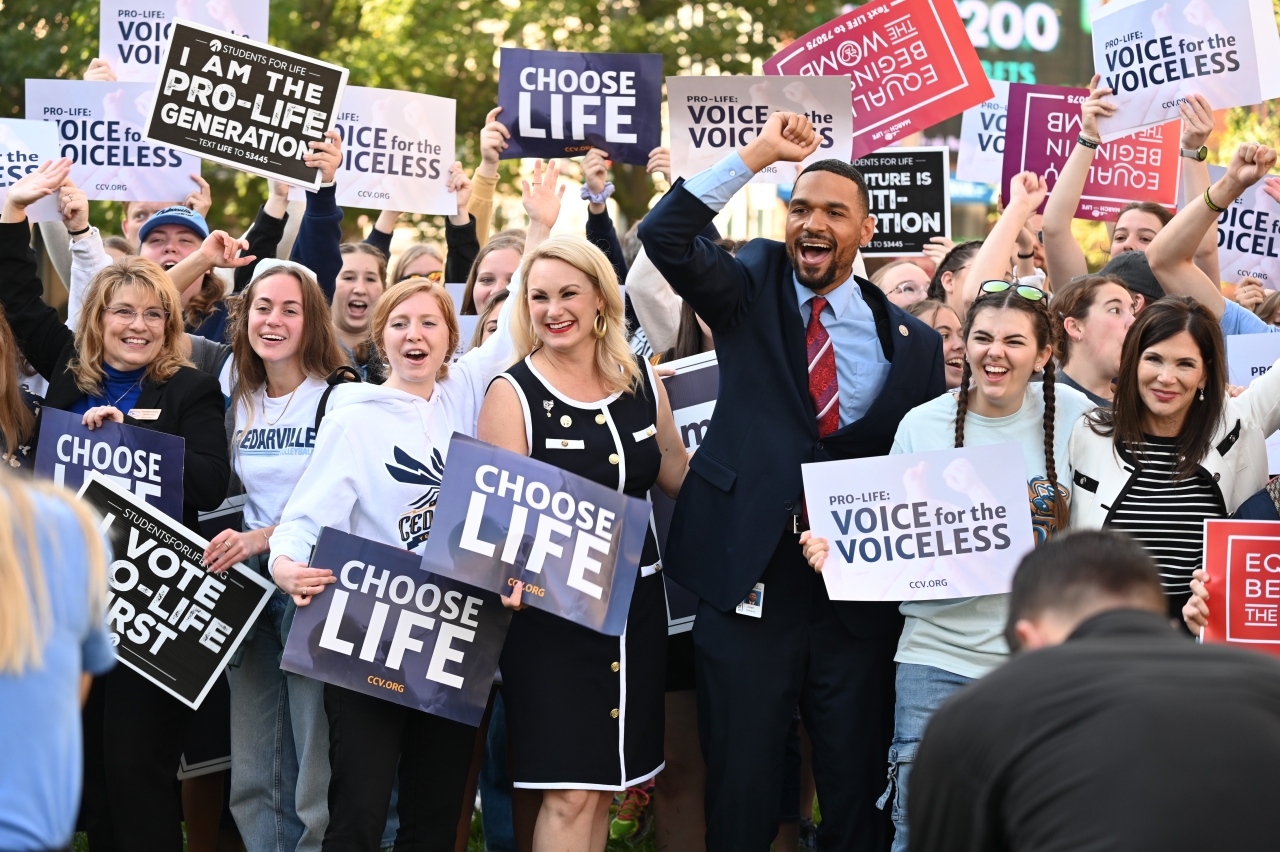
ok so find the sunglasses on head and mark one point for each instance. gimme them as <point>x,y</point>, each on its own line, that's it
<point>1026,291</point>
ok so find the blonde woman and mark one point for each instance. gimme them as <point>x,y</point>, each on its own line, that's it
<point>126,354</point>
<point>494,266</point>
<point>584,710</point>
<point>53,640</point>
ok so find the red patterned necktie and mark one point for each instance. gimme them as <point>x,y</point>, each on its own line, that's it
<point>823,389</point>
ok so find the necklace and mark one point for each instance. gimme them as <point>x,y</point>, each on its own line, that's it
<point>282,413</point>
<point>123,395</point>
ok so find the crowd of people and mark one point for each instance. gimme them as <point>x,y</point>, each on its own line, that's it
<point>1114,385</point>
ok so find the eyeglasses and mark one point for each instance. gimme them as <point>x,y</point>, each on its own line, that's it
<point>151,316</point>
<point>1026,291</point>
<point>908,288</point>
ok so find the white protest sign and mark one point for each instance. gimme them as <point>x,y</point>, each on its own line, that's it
<point>1153,54</point>
<point>711,116</point>
<point>1248,357</point>
<point>1249,236</point>
<point>981,156</point>
<point>921,526</point>
<point>100,129</point>
<point>24,145</point>
<point>133,35</point>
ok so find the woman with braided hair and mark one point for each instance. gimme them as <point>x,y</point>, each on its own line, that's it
<point>1009,337</point>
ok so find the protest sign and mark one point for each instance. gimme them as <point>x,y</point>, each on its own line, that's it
<point>692,392</point>
<point>921,526</point>
<point>1248,357</point>
<point>1153,54</point>
<point>910,196</point>
<point>711,116</point>
<point>100,130</point>
<point>1041,132</point>
<point>911,63</point>
<point>982,129</point>
<point>1242,559</point>
<point>171,621</point>
<point>133,35</point>
<point>390,630</point>
<point>563,104</point>
<point>244,104</point>
<point>143,461</point>
<point>1248,235</point>
<point>503,519</point>
<point>24,145</point>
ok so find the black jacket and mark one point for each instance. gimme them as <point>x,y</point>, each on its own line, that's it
<point>744,481</point>
<point>1128,736</point>
<point>190,402</point>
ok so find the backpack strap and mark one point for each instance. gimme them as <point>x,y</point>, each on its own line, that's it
<point>340,376</point>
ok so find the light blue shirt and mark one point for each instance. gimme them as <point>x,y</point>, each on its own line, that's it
<point>1238,320</point>
<point>861,368</point>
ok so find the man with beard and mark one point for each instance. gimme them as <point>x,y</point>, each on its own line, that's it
<point>815,365</point>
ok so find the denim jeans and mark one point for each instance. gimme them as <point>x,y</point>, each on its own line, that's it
<point>921,690</point>
<point>495,784</point>
<point>279,746</point>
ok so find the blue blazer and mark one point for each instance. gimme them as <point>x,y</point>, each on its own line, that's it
<point>744,482</point>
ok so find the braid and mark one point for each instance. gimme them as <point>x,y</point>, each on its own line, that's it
<point>962,403</point>
<point>1060,515</point>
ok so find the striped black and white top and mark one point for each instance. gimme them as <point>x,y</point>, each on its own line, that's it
<point>1167,516</point>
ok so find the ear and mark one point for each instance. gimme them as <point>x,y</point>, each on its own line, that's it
<point>1029,635</point>
<point>948,282</point>
<point>1043,358</point>
<point>1073,328</point>
<point>868,231</point>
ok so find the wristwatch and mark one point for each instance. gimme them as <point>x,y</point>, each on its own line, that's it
<point>1199,154</point>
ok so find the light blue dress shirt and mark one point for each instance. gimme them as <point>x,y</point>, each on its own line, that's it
<point>861,368</point>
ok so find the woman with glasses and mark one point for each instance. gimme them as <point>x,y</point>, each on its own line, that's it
<point>126,356</point>
<point>902,281</point>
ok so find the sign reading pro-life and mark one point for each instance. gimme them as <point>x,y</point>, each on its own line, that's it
<point>24,145</point>
<point>391,630</point>
<point>982,129</point>
<point>243,103</point>
<point>921,526</point>
<point>910,193</point>
<point>711,116</point>
<point>133,35</point>
<point>1248,357</point>
<point>172,621</point>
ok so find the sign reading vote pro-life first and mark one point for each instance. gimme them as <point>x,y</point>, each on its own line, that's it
<point>133,35</point>
<point>1250,356</point>
<point>711,116</point>
<point>24,145</point>
<point>503,519</point>
<point>172,621</point>
<point>388,629</point>
<point>910,196</point>
<point>243,103</point>
<point>921,526</point>
<point>563,104</point>
<point>142,461</point>
<point>1153,54</point>
<point>911,64</point>
<point>100,130</point>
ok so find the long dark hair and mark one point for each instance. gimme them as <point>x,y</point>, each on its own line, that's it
<point>1045,333</point>
<point>955,260</point>
<point>689,340</point>
<point>1167,318</point>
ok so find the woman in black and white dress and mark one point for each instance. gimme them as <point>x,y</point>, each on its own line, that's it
<point>585,710</point>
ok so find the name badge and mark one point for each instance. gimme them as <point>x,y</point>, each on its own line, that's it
<point>144,413</point>
<point>754,603</point>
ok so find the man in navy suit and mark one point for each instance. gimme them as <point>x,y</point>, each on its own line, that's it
<point>815,365</point>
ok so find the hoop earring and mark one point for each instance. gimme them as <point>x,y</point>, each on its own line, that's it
<point>600,327</point>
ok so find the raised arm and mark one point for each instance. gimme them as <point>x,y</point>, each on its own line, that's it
<point>88,257</point>
<point>1172,253</point>
<point>265,234</point>
<point>1197,124</point>
<point>461,241</point>
<point>493,141</point>
<point>320,232</point>
<point>1026,192</point>
<point>600,230</point>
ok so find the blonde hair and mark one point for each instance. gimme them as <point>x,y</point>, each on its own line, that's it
<point>25,617</point>
<point>404,291</point>
<point>138,272</point>
<point>411,255</point>
<point>17,423</point>
<point>611,351</point>
<point>500,241</point>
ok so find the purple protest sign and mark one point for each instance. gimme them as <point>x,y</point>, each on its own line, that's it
<point>563,104</point>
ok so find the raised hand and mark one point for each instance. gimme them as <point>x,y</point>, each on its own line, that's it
<point>787,137</point>
<point>1093,107</point>
<point>32,187</point>
<point>660,161</point>
<point>1197,121</point>
<point>461,184</point>
<point>541,196</point>
<point>1027,188</point>
<point>493,141</point>
<point>100,69</point>
<point>1248,165</point>
<point>220,249</point>
<point>199,199</point>
<point>595,170</point>
<point>325,156</point>
<point>1271,186</point>
<point>74,207</point>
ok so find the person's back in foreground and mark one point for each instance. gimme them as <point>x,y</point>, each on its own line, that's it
<point>1125,736</point>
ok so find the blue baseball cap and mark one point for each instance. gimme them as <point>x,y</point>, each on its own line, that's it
<point>175,215</point>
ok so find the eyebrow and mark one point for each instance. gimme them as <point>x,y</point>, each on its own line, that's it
<point>804,202</point>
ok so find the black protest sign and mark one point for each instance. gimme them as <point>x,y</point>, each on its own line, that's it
<point>503,519</point>
<point>391,630</point>
<point>172,622</point>
<point>243,103</point>
<point>910,194</point>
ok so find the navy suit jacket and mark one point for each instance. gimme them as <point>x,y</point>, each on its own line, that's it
<point>744,482</point>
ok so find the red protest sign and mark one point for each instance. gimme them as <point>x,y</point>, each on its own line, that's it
<point>1242,559</point>
<point>910,62</point>
<point>1041,128</point>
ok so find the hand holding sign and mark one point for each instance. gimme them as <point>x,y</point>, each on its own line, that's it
<point>1094,107</point>
<point>325,156</point>
<point>99,414</point>
<point>1195,612</point>
<point>1197,122</point>
<point>787,137</point>
<point>300,580</point>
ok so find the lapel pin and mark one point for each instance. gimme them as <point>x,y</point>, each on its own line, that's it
<point>548,404</point>
<point>902,329</point>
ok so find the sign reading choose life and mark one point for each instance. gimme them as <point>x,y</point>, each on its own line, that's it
<point>921,526</point>
<point>243,103</point>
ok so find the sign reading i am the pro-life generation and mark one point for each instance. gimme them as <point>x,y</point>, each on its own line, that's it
<point>921,526</point>
<point>910,196</point>
<point>133,35</point>
<point>982,129</point>
<point>244,103</point>
<point>24,145</point>
<point>911,65</point>
<point>172,621</point>
<point>390,630</point>
<point>562,104</point>
<point>1242,559</point>
<point>711,116</point>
